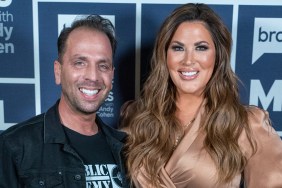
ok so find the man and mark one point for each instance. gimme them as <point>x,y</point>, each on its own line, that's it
<point>69,146</point>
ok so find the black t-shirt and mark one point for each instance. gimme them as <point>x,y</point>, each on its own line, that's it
<point>100,166</point>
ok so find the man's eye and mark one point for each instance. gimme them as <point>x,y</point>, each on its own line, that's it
<point>104,67</point>
<point>79,63</point>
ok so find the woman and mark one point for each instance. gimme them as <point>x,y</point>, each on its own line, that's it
<point>189,128</point>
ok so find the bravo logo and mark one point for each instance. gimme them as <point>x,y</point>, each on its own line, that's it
<point>5,3</point>
<point>267,37</point>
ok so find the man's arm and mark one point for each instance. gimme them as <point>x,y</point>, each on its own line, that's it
<point>8,174</point>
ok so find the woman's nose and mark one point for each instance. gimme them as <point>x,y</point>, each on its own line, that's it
<point>188,58</point>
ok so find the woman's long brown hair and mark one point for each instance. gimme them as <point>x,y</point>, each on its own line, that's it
<point>153,126</point>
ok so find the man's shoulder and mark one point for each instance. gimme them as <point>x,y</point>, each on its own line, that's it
<point>26,127</point>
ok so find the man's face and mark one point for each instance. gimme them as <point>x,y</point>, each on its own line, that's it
<point>86,70</point>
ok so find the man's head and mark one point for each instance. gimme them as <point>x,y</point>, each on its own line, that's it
<point>85,64</point>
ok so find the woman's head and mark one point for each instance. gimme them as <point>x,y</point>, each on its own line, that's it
<point>220,36</point>
<point>191,58</point>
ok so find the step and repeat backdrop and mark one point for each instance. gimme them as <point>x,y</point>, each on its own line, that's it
<point>29,31</point>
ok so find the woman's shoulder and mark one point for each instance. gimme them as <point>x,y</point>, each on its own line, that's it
<point>262,131</point>
<point>264,164</point>
<point>258,118</point>
<point>260,122</point>
<point>256,114</point>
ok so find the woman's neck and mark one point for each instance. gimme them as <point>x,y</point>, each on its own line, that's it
<point>187,108</point>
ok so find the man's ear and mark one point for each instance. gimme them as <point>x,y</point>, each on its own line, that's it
<point>57,72</point>
<point>113,75</point>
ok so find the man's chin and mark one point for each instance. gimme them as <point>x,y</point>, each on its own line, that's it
<point>89,109</point>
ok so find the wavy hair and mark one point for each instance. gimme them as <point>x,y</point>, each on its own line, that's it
<point>153,126</point>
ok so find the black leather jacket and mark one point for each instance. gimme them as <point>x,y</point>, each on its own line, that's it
<point>36,153</point>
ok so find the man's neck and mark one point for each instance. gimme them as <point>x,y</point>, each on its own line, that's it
<point>82,123</point>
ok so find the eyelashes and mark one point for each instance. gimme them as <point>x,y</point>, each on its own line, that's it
<point>177,48</point>
<point>197,48</point>
<point>202,47</point>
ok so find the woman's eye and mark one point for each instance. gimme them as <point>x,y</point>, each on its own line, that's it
<point>177,48</point>
<point>201,48</point>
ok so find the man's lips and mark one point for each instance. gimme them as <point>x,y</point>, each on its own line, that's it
<point>89,92</point>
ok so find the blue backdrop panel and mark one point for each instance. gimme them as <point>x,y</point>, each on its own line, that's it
<point>16,40</point>
<point>18,101</point>
<point>258,64</point>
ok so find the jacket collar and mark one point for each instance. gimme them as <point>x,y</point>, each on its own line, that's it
<point>53,129</point>
<point>110,131</point>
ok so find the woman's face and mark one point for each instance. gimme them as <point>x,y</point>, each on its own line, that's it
<point>191,58</point>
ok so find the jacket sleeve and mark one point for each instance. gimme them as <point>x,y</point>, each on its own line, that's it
<point>8,173</point>
<point>264,168</point>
